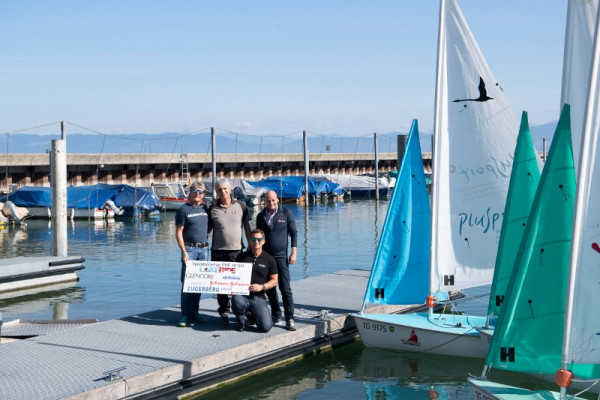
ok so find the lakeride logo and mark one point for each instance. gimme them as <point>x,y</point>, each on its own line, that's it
<point>413,339</point>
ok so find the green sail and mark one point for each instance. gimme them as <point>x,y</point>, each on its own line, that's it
<point>524,180</point>
<point>529,332</point>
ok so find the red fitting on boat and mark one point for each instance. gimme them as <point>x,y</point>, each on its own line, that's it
<point>431,300</point>
<point>564,378</point>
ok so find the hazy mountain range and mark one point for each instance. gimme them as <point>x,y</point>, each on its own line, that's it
<point>171,142</point>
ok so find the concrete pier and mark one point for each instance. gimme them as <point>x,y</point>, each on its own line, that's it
<point>154,358</point>
<point>144,169</point>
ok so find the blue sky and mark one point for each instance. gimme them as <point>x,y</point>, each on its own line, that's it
<point>260,67</point>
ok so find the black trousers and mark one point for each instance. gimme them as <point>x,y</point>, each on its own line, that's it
<point>224,255</point>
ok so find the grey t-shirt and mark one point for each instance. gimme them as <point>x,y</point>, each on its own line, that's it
<point>227,224</point>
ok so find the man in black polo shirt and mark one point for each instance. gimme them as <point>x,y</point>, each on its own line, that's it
<point>264,277</point>
<point>278,223</point>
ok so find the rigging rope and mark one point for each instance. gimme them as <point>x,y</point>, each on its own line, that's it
<point>33,127</point>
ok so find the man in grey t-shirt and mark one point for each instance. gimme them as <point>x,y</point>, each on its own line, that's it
<point>226,219</point>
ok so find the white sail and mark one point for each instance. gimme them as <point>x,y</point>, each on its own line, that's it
<point>475,133</point>
<point>579,37</point>
<point>582,340</point>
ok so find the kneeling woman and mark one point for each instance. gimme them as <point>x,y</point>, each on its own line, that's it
<point>253,307</point>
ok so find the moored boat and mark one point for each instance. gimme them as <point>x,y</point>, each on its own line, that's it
<point>89,202</point>
<point>474,140</point>
<point>171,194</point>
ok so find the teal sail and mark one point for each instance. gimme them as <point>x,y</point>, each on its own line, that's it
<point>400,273</point>
<point>524,180</point>
<point>528,334</point>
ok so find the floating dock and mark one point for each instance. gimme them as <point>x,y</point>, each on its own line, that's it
<point>20,273</point>
<point>146,356</point>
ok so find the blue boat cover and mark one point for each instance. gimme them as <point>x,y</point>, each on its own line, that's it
<point>292,187</point>
<point>132,200</point>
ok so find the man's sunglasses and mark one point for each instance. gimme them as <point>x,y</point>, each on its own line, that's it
<point>194,190</point>
<point>256,239</point>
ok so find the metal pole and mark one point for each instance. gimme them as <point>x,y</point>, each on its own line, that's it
<point>58,159</point>
<point>376,168</point>
<point>214,162</point>
<point>305,148</point>
<point>401,140</point>
<point>544,149</point>
<point>63,131</point>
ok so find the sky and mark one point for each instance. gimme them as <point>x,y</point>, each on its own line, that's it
<point>344,67</point>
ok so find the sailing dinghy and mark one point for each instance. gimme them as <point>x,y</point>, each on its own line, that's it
<point>474,138</point>
<point>529,334</point>
<point>524,180</point>
<point>532,339</point>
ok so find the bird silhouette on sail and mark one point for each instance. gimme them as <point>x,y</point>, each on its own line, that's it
<point>482,93</point>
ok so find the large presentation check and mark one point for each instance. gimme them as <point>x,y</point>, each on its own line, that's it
<point>218,277</point>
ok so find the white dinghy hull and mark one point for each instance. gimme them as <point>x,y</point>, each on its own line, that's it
<point>444,334</point>
<point>487,390</point>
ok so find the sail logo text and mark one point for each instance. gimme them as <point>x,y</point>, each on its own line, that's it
<point>486,221</point>
<point>497,168</point>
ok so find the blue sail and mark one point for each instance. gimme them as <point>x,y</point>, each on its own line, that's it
<point>400,273</point>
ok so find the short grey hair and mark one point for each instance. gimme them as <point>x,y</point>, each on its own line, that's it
<point>198,185</point>
<point>222,182</point>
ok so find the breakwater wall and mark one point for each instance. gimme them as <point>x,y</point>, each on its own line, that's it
<point>144,169</point>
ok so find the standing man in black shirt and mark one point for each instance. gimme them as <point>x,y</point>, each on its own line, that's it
<point>278,223</point>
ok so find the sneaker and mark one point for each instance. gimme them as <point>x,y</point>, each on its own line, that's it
<point>224,319</point>
<point>290,325</point>
<point>200,319</point>
<point>277,321</point>
<point>239,328</point>
<point>183,322</point>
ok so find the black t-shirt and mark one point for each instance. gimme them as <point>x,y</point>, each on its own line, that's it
<point>262,268</point>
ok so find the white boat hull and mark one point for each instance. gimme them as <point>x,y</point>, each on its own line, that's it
<point>487,390</point>
<point>172,204</point>
<point>444,334</point>
<point>486,337</point>
<point>72,213</point>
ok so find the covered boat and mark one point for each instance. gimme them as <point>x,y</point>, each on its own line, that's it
<point>357,185</point>
<point>95,201</point>
<point>292,187</point>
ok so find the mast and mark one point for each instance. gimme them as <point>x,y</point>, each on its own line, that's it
<point>435,198</point>
<point>590,133</point>
<point>566,82</point>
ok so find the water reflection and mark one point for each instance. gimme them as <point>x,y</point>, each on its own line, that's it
<point>356,372</point>
<point>54,298</point>
<point>306,246</point>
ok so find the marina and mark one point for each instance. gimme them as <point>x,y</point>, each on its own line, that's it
<point>122,284</point>
<point>473,281</point>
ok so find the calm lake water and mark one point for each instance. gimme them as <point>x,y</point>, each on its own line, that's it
<point>132,266</point>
